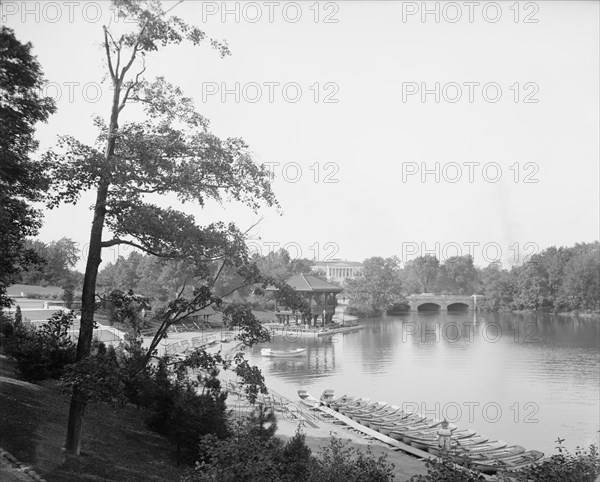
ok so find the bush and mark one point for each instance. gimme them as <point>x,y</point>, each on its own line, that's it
<point>7,328</point>
<point>35,296</point>
<point>98,377</point>
<point>176,409</point>
<point>445,470</point>
<point>248,457</point>
<point>583,466</point>
<point>45,352</point>
<point>340,463</point>
<point>253,454</point>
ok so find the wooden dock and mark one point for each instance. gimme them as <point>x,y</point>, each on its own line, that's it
<point>375,434</point>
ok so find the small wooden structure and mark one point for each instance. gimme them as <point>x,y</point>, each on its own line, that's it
<point>320,295</point>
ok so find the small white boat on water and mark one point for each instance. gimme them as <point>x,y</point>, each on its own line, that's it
<point>283,353</point>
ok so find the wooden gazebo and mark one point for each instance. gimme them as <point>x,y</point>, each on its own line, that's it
<point>320,295</point>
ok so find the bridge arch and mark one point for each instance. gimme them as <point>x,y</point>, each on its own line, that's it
<point>428,306</point>
<point>458,306</point>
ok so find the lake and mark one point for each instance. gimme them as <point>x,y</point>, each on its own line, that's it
<point>526,379</point>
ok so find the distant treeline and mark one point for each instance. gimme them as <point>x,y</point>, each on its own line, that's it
<point>556,279</point>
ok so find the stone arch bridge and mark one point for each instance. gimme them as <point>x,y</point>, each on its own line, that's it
<point>434,302</point>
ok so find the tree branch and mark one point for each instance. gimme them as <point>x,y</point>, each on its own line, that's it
<point>135,49</point>
<point>133,84</point>
<point>110,66</point>
<point>113,242</point>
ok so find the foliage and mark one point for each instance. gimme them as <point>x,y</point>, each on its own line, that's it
<point>556,279</point>
<point>458,276</point>
<point>379,287</point>
<point>341,463</point>
<point>580,284</point>
<point>254,455</point>
<point>128,309</point>
<point>443,469</point>
<point>43,352</point>
<point>499,287</point>
<point>7,328</point>
<point>57,260</point>
<point>22,180</point>
<point>99,377</point>
<point>583,466</point>
<point>179,407</point>
<point>421,274</point>
<point>170,152</point>
<point>240,457</point>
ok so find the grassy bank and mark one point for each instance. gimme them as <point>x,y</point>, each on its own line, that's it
<point>116,443</point>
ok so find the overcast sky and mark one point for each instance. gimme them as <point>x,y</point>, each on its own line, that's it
<point>334,93</point>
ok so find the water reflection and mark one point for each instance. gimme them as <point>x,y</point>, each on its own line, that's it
<point>539,371</point>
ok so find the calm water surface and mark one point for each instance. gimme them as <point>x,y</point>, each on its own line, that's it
<point>526,379</point>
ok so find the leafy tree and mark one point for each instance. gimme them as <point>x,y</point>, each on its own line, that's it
<point>421,273</point>
<point>57,259</point>
<point>170,151</point>
<point>580,287</point>
<point>378,287</point>
<point>533,285</point>
<point>499,287</point>
<point>22,180</point>
<point>458,275</point>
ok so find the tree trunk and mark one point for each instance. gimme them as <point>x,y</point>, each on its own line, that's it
<point>88,297</point>
<point>75,427</point>
<point>86,329</point>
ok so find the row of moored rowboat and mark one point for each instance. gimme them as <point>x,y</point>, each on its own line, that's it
<point>466,446</point>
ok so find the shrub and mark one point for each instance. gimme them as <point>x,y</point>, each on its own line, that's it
<point>99,377</point>
<point>45,352</point>
<point>7,328</point>
<point>35,296</point>
<point>340,463</point>
<point>253,454</point>
<point>241,457</point>
<point>445,470</point>
<point>583,466</point>
<point>176,409</point>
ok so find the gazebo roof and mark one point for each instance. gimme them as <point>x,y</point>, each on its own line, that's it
<point>311,284</point>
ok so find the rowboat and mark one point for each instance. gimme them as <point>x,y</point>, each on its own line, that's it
<point>409,435</point>
<point>435,449</point>
<point>502,453</point>
<point>421,432</point>
<point>463,449</point>
<point>358,404</point>
<point>374,408</point>
<point>327,397</point>
<point>308,400</point>
<point>283,353</point>
<point>428,440</point>
<point>411,423</point>
<point>385,413</point>
<point>510,463</point>
<point>340,402</point>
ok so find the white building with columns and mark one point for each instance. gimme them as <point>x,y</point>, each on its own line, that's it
<point>339,270</point>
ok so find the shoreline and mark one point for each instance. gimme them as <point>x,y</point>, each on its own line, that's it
<point>318,432</point>
<point>565,314</point>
